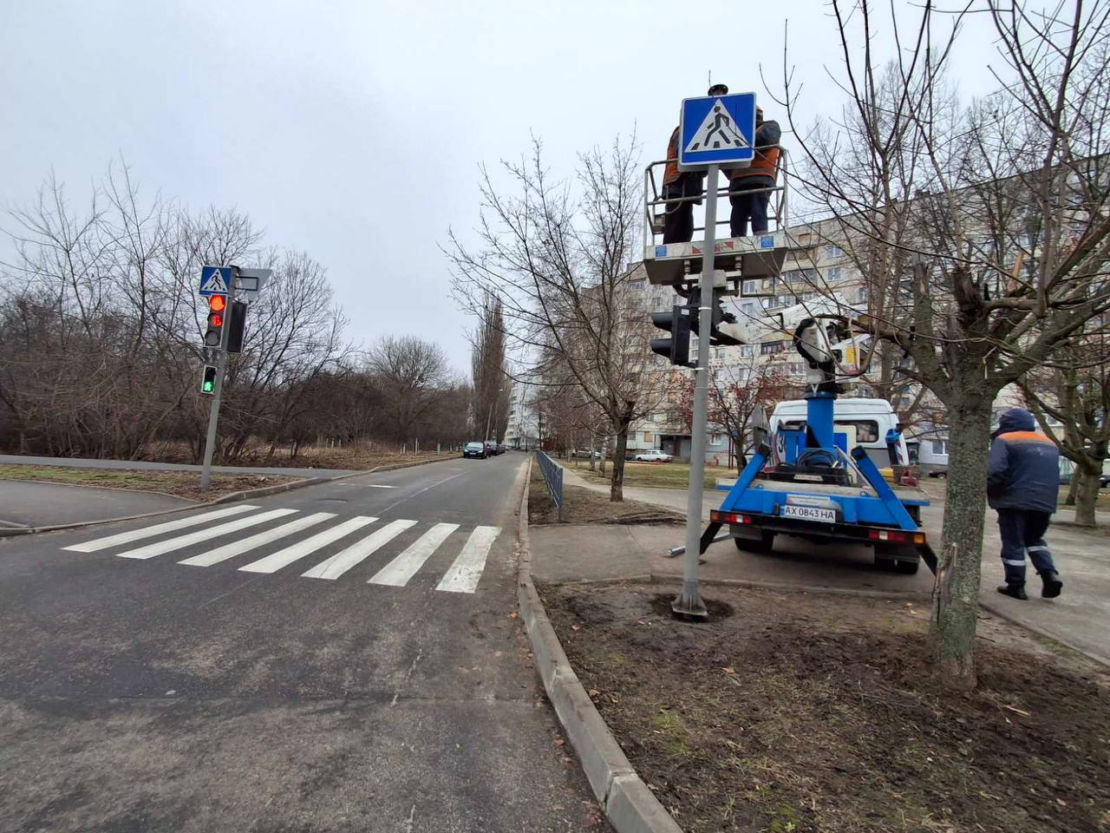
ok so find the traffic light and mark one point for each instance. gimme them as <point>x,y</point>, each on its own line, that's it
<point>677,347</point>
<point>717,338</point>
<point>237,320</point>
<point>208,380</point>
<point>217,314</point>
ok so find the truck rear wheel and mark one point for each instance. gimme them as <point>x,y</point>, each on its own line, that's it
<point>763,545</point>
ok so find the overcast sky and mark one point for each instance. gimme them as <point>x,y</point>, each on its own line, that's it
<point>353,130</point>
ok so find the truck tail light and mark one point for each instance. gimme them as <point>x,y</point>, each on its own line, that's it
<point>896,537</point>
<point>718,517</point>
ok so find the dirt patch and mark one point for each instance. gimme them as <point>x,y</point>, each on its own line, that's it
<point>800,712</point>
<point>584,506</point>
<point>179,484</point>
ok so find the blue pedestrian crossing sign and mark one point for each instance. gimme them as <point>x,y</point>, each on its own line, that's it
<point>717,129</point>
<point>215,280</point>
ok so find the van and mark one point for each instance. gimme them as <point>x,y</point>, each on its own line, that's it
<point>862,422</point>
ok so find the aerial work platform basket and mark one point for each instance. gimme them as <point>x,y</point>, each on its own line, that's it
<point>758,257</point>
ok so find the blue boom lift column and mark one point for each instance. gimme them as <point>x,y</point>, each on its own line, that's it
<point>817,491</point>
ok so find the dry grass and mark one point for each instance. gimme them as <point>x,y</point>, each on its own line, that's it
<point>356,457</point>
<point>584,506</point>
<point>659,475</point>
<point>178,484</point>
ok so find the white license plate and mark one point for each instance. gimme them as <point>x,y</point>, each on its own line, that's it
<point>809,513</point>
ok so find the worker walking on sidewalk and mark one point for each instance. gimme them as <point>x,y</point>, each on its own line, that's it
<point>1023,485</point>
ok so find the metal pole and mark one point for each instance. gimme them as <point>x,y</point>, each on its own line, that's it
<point>688,603</point>
<point>217,394</point>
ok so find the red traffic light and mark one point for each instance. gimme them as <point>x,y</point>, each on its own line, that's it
<point>215,320</point>
<point>217,303</point>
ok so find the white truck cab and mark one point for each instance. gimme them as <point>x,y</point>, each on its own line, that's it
<point>864,422</point>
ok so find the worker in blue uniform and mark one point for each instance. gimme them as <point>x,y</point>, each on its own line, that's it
<point>1023,483</point>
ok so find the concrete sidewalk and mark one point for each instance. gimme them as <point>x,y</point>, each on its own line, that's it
<point>25,503</point>
<point>1080,618</point>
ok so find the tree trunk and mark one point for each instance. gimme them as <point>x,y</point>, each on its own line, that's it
<point>1073,488</point>
<point>952,632</point>
<point>1087,495</point>
<point>616,487</point>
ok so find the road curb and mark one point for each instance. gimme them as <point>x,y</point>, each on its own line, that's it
<point>628,803</point>
<point>234,497</point>
<point>892,595</point>
<point>1039,631</point>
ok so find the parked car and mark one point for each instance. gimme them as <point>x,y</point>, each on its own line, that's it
<point>477,450</point>
<point>585,452</point>
<point>654,456</point>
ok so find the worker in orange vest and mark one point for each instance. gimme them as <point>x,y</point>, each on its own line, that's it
<point>750,188</point>
<point>678,223</point>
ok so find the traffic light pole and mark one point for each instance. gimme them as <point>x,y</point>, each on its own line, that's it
<point>688,604</point>
<point>218,392</point>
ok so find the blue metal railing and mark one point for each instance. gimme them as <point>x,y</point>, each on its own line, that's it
<point>553,477</point>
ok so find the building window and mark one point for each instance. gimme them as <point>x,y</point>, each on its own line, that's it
<point>751,287</point>
<point>746,351</point>
<point>715,439</point>
<point>939,447</point>
<point>833,252</point>
<point>795,368</point>
<point>648,437</point>
<point>747,307</point>
<point>637,285</point>
<point>862,295</point>
<point>834,273</point>
<point>769,348</point>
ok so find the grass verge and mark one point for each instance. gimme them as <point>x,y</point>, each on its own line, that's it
<point>178,484</point>
<point>584,506</point>
<point>791,712</point>
<point>658,475</point>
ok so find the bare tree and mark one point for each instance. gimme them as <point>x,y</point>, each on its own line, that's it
<point>489,373</point>
<point>981,231</point>
<point>556,255</point>
<point>1072,403</point>
<point>413,375</point>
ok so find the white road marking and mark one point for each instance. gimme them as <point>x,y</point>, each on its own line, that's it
<point>341,562</point>
<point>207,559</point>
<point>465,573</point>
<point>281,558</point>
<point>398,571</point>
<point>158,529</point>
<point>183,541</point>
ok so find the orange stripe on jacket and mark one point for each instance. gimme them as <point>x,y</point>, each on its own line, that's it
<point>1024,436</point>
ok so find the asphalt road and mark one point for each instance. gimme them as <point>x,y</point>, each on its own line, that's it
<point>358,675</point>
<point>24,503</point>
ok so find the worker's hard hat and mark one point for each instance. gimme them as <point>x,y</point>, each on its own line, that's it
<point>718,89</point>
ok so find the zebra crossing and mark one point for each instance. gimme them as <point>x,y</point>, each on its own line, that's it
<point>362,537</point>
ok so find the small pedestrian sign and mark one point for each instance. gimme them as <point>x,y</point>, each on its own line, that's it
<point>717,129</point>
<point>215,280</point>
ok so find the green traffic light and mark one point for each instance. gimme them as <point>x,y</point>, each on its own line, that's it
<point>208,386</point>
